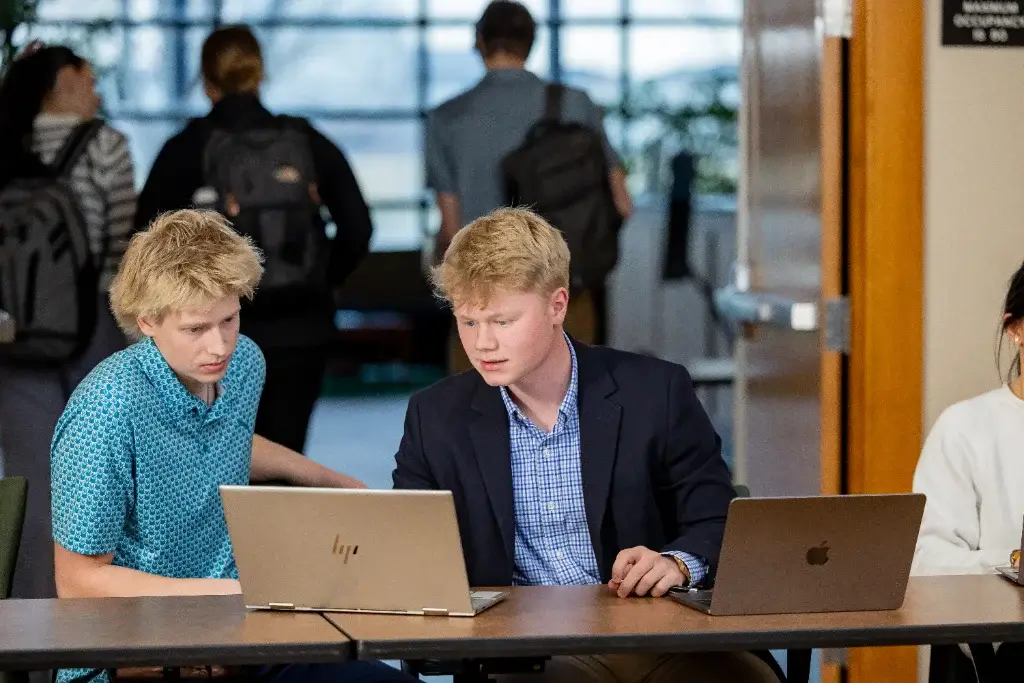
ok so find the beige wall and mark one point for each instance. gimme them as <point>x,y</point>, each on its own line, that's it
<point>974,209</point>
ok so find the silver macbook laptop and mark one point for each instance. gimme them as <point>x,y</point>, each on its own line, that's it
<point>1008,571</point>
<point>348,550</point>
<point>815,554</point>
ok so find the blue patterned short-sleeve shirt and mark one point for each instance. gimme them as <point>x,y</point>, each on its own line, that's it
<point>137,460</point>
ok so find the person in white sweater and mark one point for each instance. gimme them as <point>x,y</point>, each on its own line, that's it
<point>972,470</point>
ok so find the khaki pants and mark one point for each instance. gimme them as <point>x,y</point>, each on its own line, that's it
<point>580,324</point>
<point>694,667</point>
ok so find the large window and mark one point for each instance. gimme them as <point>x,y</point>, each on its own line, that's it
<point>366,71</point>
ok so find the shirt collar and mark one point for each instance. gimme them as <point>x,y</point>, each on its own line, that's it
<point>240,108</point>
<point>510,74</point>
<point>172,392</point>
<point>568,401</point>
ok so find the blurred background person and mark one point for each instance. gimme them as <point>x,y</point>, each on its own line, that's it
<point>270,175</point>
<point>48,117</point>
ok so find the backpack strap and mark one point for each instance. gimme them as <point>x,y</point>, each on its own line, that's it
<point>75,146</point>
<point>298,125</point>
<point>553,102</point>
<point>290,121</point>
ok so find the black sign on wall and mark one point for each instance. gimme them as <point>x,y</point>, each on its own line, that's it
<point>982,23</point>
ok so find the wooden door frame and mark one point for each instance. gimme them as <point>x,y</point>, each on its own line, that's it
<point>833,275</point>
<point>885,270</point>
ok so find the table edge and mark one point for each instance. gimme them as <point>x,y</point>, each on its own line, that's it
<point>178,655</point>
<point>529,646</point>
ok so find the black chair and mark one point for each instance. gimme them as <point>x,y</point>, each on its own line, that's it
<point>473,670</point>
<point>948,663</point>
<point>479,670</point>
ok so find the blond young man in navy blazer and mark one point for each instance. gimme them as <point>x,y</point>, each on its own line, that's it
<point>569,464</point>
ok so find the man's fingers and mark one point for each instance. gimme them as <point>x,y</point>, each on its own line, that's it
<point>637,572</point>
<point>624,561</point>
<point>652,578</point>
<point>663,586</point>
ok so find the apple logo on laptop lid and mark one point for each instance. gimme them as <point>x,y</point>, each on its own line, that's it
<point>818,555</point>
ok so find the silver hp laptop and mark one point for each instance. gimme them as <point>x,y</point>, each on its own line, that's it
<point>817,554</point>
<point>1008,571</point>
<point>348,550</point>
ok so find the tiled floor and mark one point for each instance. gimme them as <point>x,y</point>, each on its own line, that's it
<point>358,436</point>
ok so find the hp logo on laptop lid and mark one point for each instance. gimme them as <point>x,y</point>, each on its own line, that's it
<point>344,551</point>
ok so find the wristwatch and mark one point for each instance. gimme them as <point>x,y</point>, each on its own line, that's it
<point>684,569</point>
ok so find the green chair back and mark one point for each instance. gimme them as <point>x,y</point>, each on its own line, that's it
<point>13,492</point>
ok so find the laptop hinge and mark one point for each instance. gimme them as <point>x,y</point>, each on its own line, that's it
<point>281,605</point>
<point>435,612</point>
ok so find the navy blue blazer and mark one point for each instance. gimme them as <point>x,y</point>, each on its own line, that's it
<point>652,469</point>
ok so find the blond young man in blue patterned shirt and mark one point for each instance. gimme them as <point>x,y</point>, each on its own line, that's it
<point>149,436</point>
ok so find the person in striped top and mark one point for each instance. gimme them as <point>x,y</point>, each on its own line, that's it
<point>45,93</point>
<point>103,181</point>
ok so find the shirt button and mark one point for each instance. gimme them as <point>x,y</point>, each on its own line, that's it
<point>560,554</point>
<point>551,506</point>
<point>547,452</point>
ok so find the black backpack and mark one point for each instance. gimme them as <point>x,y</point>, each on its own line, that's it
<point>48,276</point>
<point>560,171</point>
<point>266,186</point>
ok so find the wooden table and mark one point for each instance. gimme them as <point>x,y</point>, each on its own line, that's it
<point>40,634</point>
<point>538,622</point>
<point>532,622</point>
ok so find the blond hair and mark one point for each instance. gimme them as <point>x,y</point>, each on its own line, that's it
<point>184,260</point>
<point>511,249</point>
<point>232,60</point>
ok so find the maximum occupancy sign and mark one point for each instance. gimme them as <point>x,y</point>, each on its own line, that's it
<point>982,23</point>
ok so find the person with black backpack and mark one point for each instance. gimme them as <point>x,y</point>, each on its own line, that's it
<point>67,203</point>
<point>514,140</point>
<point>270,176</point>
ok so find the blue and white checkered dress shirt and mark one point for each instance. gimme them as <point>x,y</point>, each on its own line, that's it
<point>552,540</point>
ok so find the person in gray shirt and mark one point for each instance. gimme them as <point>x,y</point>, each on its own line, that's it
<point>468,136</point>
